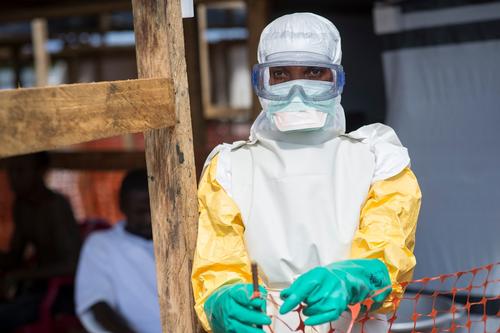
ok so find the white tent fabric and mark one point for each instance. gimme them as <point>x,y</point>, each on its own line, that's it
<point>444,102</point>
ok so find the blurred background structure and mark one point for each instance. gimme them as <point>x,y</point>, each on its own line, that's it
<point>429,68</point>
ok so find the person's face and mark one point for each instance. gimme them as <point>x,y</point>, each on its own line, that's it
<point>282,74</point>
<point>24,174</point>
<point>136,209</point>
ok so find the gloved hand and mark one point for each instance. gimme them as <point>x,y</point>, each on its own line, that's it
<point>232,309</point>
<point>326,291</point>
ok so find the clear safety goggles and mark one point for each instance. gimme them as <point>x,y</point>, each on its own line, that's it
<point>314,81</point>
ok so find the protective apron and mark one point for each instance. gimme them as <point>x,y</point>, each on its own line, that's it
<point>300,203</point>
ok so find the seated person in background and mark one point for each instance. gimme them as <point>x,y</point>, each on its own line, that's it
<point>116,277</point>
<point>44,223</point>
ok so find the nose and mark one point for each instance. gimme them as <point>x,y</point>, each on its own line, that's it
<point>297,91</point>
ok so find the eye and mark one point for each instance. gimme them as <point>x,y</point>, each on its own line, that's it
<point>315,72</point>
<point>279,74</point>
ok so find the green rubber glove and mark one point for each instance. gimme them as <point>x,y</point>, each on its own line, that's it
<point>232,309</point>
<point>326,291</point>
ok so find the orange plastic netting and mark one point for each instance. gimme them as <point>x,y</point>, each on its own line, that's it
<point>459,302</point>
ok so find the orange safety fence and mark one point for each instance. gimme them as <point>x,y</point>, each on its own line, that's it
<point>459,302</point>
<point>93,194</point>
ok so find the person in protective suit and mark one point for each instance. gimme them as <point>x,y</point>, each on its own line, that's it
<point>329,217</point>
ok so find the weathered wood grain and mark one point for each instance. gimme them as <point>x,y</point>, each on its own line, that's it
<point>44,118</point>
<point>170,160</point>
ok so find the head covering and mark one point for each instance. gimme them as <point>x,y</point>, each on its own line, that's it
<point>300,37</point>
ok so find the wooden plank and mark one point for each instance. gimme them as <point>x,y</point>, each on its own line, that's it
<point>170,160</point>
<point>234,4</point>
<point>45,118</point>
<point>93,160</point>
<point>258,17</point>
<point>204,56</point>
<point>42,60</point>
<point>223,112</point>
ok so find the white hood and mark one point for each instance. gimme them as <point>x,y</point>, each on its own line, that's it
<point>303,37</point>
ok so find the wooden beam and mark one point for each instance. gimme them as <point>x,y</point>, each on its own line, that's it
<point>223,112</point>
<point>170,160</point>
<point>44,118</point>
<point>204,57</point>
<point>258,17</point>
<point>42,60</point>
<point>93,160</point>
<point>222,4</point>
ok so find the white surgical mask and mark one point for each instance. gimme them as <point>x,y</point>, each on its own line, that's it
<point>297,114</point>
<point>299,120</point>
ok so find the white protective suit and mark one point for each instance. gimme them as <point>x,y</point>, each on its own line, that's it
<point>296,200</point>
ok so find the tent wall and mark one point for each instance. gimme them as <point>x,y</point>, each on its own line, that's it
<point>442,77</point>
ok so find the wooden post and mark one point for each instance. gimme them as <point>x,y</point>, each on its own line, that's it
<point>257,19</point>
<point>42,61</point>
<point>170,162</point>
<point>206,98</point>
<point>194,79</point>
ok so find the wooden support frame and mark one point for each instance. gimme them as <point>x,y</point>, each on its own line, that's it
<point>45,118</point>
<point>77,113</point>
<point>211,110</point>
<point>170,161</point>
<point>258,15</point>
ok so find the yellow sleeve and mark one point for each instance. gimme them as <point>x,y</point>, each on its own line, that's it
<point>220,256</point>
<point>387,228</point>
